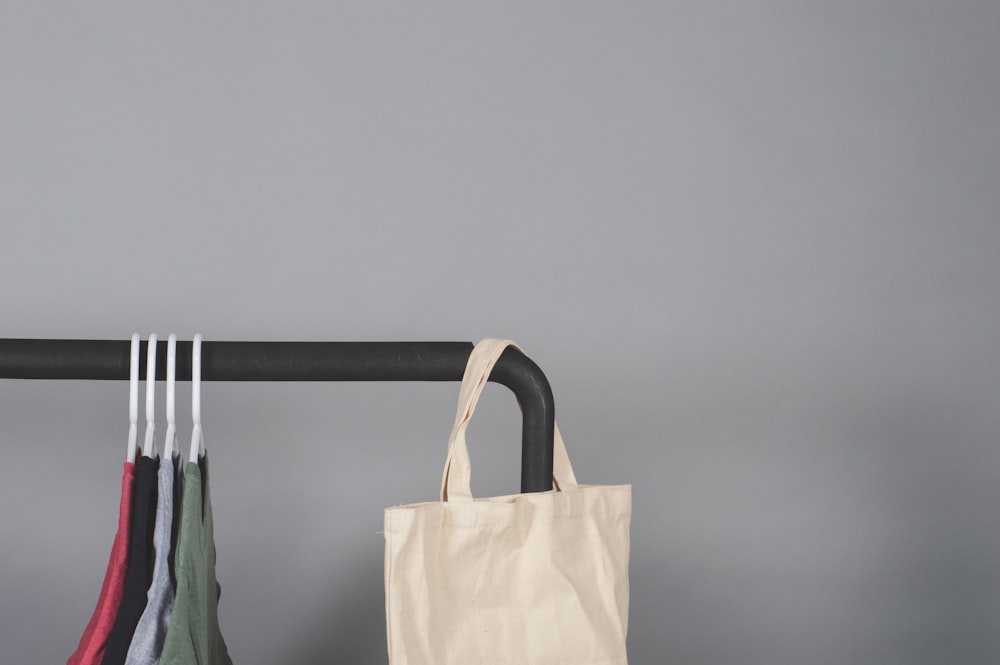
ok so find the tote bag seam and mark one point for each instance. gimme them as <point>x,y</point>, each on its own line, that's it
<point>518,499</point>
<point>388,585</point>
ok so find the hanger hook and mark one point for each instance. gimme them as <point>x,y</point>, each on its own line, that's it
<point>197,436</point>
<point>149,445</point>
<point>170,445</point>
<point>133,398</point>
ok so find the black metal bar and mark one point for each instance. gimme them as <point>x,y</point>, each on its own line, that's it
<point>306,361</point>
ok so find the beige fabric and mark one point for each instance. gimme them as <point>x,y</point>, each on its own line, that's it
<point>527,579</point>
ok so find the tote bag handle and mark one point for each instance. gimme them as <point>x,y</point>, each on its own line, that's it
<point>457,478</point>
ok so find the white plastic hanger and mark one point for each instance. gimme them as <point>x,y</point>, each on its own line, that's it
<point>133,399</point>
<point>170,447</point>
<point>149,447</point>
<point>197,437</point>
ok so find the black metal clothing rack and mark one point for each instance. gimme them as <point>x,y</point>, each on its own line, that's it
<point>306,361</point>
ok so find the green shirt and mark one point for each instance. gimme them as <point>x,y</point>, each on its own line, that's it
<point>193,637</point>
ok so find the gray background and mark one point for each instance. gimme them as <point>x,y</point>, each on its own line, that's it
<point>753,244</point>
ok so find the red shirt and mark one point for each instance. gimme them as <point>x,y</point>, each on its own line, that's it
<point>90,651</point>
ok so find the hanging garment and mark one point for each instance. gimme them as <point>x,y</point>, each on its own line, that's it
<point>90,650</point>
<point>175,520</point>
<point>140,568</point>
<point>194,636</point>
<point>531,579</point>
<point>150,631</point>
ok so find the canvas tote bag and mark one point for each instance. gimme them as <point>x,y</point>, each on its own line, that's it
<point>527,579</point>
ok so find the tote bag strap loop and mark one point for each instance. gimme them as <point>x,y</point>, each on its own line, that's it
<point>457,478</point>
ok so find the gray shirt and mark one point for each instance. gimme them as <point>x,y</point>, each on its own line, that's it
<point>147,641</point>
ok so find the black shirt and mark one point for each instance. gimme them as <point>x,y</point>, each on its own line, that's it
<point>139,574</point>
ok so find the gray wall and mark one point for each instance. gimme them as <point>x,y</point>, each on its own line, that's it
<point>753,245</point>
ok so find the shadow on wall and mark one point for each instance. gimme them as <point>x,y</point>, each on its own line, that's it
<point>351,629</point>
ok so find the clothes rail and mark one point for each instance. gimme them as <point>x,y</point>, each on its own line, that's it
<point>85,359</point>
